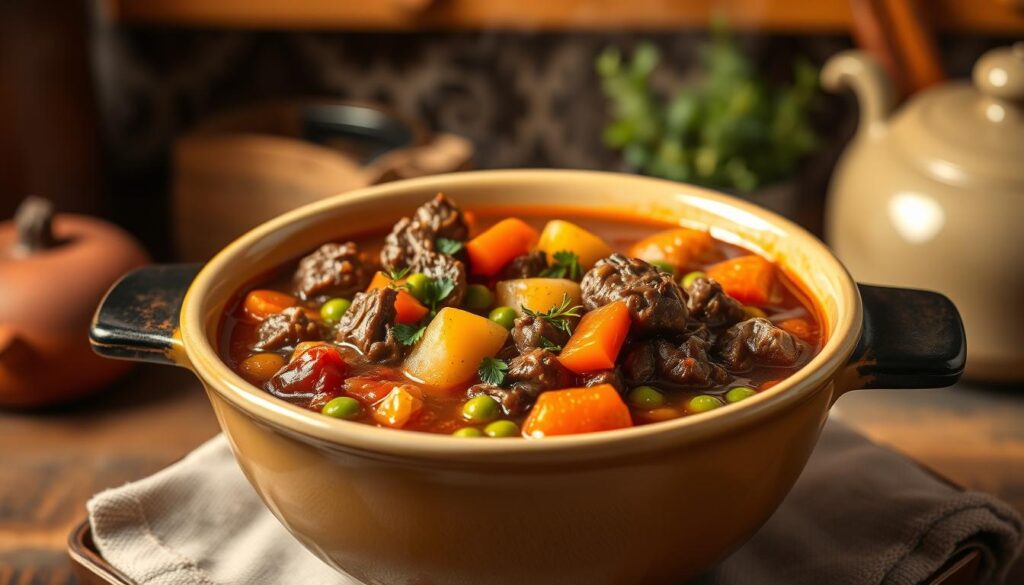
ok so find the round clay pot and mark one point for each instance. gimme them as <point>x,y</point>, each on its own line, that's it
<point>54,270</point>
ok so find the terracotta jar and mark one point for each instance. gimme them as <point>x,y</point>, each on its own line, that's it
<point>932,196</point>
<point>53,271</point>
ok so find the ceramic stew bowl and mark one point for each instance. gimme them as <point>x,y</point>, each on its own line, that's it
<point>650,504</point>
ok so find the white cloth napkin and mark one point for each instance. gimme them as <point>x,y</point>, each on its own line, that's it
<point>860,514</point>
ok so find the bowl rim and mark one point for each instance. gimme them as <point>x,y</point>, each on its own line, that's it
<point>304,424</point>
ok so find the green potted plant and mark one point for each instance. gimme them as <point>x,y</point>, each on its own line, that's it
<point>731,130</point>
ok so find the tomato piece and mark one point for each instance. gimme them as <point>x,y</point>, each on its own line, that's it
<point>401,405</point>
<point>318,370</point>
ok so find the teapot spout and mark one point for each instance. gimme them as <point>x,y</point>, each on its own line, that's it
<point>858,71</point>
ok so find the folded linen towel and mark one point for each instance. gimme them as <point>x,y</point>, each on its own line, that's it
<point>859,514</point>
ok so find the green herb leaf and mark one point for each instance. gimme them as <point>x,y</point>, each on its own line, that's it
<point>492,371</point>
<point>549,345</point>
<point>437,290</point>
<point>559,317</point>
<point>446,246</point>
<point>409,334</point>
<point>564,264</point>
<point>396,274</point>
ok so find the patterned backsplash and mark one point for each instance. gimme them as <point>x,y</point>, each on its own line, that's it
<point>523,99</point>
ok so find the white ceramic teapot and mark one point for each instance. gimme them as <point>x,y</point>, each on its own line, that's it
<point>932,196</point>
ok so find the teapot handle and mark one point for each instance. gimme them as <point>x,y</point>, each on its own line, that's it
<point>859,71</point>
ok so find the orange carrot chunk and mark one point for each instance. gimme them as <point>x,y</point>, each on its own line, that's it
<point>407,308</point>
<point>261,303</point>
<point>748,279</point>
<point>799,327</point>
<point>577,410</point>
<point>597,340</point>
<point>401,405</point>
<point>490,251</point>
<point>678,246</point>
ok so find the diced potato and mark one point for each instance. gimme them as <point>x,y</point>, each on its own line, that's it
<point>677,246</point>
<point>452,347</point>
<point>561,235</point>
<point>537,294</point>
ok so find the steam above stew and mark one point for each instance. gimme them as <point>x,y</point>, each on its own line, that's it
<point>520,326</point>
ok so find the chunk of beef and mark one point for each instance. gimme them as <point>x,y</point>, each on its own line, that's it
<point>368,324</point>
<point>514,401</point>
<point>613,377</point>
<point>708,303</point>
<point>656,303</point>
<point>528,265</point>
<point>336,270</point>
<point>286,328</point>
<point>758,341</point>
<point>640,363</point>
<point>688,364</point>
<point>442,218</point>
<point>411,244</point>
<point>537,371</point>
<point>529,332</point>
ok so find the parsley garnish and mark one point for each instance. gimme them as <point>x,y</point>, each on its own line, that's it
<point>558,316</point>
<point>492,371</point>
<point>396,274</point>
<point>446,246</point>
<point>437,290</point>
<point>409,334</point>
<point>549,345</point>
<point>565,264</point>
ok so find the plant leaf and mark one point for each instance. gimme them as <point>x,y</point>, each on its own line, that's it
<point>409,334</point>
<point>447,246</point>
<point>492,371</point>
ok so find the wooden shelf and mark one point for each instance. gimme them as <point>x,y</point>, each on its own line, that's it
<point>980,16</point>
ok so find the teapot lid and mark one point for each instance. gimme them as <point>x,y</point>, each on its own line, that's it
<point>961,131</point>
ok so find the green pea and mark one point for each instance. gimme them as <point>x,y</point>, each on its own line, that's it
<point>703,403</point>
<point>344,407</point>
<point>478,297</point>
<point>332,310</point>
<point>690,277</point>
<point>417,284</point>
<point>468,432</point>
<point>502,428</point>
<point>646,398</point>
<point>739,393</point>
<point>753,312</point>
<point>663,266</point>
<point>504,316</point>
<point>480,409</point>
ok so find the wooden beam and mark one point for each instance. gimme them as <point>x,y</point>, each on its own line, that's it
<point>810,16</point>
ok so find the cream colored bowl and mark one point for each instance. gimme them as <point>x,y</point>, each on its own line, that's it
<point>651,504</point>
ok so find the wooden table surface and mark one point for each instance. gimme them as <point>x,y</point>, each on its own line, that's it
<point>53,461</point>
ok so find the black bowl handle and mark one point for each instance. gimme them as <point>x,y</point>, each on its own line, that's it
<point>911,339</point>
<point>138,318</point>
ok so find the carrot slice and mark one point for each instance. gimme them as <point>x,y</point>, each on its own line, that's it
<point>403,403</point>
<point>596,342</point>
<point>262,303</point>
<point>798,327</point>
<point>677,246</point>
<point>577,410</point>
<point>490,251</point>
<point>407,308</point>
<point>748,279</point>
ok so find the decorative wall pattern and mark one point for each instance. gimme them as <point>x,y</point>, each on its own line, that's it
<point>523,99</point>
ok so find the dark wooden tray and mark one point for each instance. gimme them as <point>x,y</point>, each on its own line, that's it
<point>92,569</point>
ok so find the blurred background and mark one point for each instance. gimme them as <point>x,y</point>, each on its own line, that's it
<point>185,122</point>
